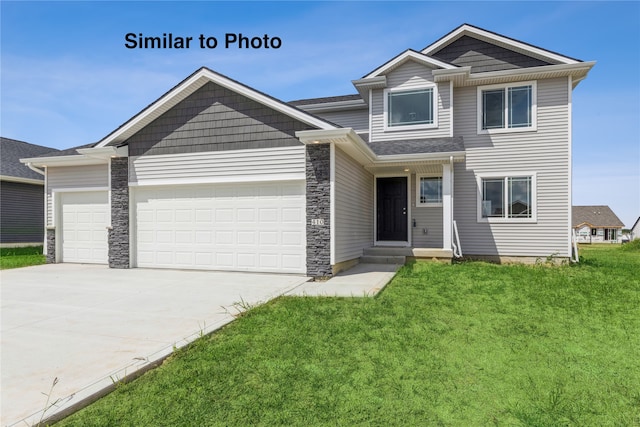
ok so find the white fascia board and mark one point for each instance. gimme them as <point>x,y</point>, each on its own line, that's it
<point>578,70</point>
<point>394,158</point>
<point>194,83</point>
<point>73,160</point>
<point>407,55</point>
<point>8,178</point>
<point>355,104</point>
<point>105,152</point>
<point>497,39</point>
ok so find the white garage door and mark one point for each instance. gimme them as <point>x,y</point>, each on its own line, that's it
<point>243,227</point>
<point>84,227</point>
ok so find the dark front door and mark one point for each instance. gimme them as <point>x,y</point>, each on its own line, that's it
<point>391,209</point>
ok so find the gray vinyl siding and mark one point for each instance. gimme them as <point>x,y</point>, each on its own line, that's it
<point>219,166</point>
<point>545,152</point>
<point>425,217</point>
<point>409,76</point>
<point>353,208</point>
<point>215,119</point>
<point>21,212</point>
<point>482,56</point>
<point>67,177</point>
<point>358,120</point>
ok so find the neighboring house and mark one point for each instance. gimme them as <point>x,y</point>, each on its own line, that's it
<point>21,195</point>
<point>596,224</point>
<point>474,131</point>
<point>635,230</point>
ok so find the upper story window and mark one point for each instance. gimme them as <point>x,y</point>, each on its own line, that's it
<point>410,109</point>
<point>507,108</point>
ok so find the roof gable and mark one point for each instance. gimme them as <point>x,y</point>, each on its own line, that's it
<point>483,56</point>
<point>595,216</point>
<point>500,41</point>
<point>408,55</point>
<point>189,86</point>
<point>14,150</point>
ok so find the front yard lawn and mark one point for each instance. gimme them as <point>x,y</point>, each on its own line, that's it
<point>21,257</point>
<point>467,344</point>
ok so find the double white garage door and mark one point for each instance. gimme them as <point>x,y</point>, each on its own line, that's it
<point>243,227</point>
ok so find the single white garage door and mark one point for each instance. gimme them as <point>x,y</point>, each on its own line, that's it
<point>243,227</point>
<point>84,227</point>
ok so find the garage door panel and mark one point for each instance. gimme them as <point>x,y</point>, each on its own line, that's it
<point>84,222</point>
<point>226,226</point>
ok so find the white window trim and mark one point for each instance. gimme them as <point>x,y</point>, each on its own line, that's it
<point>385,117</point>
<point>534,108</point>
<point>534,197</point>
<point>426,204</point>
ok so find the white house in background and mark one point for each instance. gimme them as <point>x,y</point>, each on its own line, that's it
<point>597,224</point>
<point>463,146</point>
<point>635,230</point>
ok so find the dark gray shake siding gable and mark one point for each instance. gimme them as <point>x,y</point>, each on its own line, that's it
<point>318,166</point>
<point>483,56</point>
<point>216,119</point>
<point>119,231</point>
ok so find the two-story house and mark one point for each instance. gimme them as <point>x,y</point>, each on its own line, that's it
<point>462,148</point>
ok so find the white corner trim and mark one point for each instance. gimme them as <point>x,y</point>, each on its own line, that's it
<point>570,137</point>
<point>332,203</point>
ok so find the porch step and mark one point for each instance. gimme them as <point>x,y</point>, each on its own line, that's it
<point>387,251</point>
<point>383,259</point>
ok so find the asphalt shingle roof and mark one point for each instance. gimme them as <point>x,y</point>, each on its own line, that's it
<point>417,146</point>
<point>596,216</point>
<point>325,100</point>
<point>12,150</point>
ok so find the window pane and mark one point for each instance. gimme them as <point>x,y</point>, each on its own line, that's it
<point>493,109</point>
<point>411,108</point>
<point>492,196</point>
<point>519,197</point>
<point>431,190</point>
<point>519,106</point>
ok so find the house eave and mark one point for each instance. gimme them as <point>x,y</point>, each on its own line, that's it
<point>8,178</point>
<point>73,160</point>
<point>350,142</point>
<point>464,77</point>
<point>104,153</point>
<point>405,56</point>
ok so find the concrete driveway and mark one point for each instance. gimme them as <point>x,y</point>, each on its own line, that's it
<point>88,325</point>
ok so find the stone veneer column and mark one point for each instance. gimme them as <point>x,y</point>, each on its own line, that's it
<point>318,166</point>
<point>119,231</point>
<point>51,245</point>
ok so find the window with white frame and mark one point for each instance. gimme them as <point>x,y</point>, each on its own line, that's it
<point>410,108</point>
<point>507,198</point>
<point>429,189</point>
<point>507,108</point>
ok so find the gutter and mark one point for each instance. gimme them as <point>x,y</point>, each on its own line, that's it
<point>35,169</point>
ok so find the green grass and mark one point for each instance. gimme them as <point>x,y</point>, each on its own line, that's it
<point>468,344</point>
<point>21,257</point>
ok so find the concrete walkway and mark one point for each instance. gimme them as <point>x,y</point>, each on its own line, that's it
<point>363,280</point>
<point>88,326</point>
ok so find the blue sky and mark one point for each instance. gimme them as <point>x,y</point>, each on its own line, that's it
<point>67,78</point>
